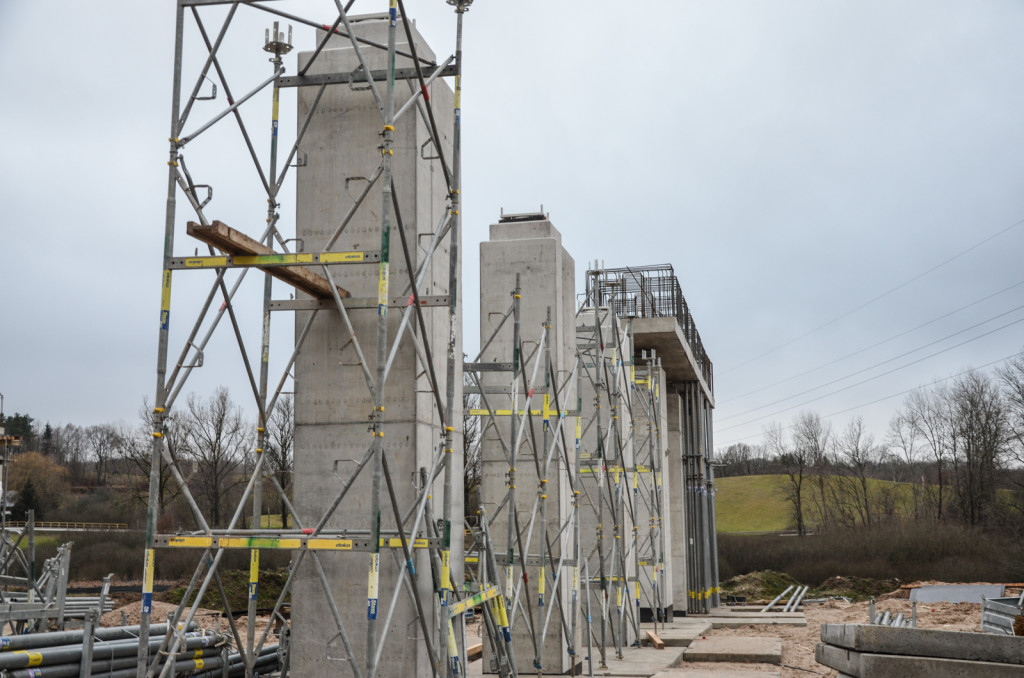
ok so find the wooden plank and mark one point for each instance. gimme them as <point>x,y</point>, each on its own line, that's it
<point>233,242</point>
<point>657,642</point>
<point>474,652</point>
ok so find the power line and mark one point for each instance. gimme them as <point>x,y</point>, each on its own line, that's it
<point>888,360</point>
<point>883,399</point>
<point>874,299</point>
<point>874,345</point>
<point>877,376</point>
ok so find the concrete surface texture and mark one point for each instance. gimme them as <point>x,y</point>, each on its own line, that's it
<point>750,649</point>
<point>520,456</point>
<point>877,639</point>
<point>956,593</point>
<point>651,490</point>
<point>865,665</point>
<point>332,400</point>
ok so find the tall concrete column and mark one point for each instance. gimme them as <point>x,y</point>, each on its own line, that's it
<point>607,453</point>
<point>652,490</point>
<point>677,483</point>
<point>332,401</point>
<point>528,248</point>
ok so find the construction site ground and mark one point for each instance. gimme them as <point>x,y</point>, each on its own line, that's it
<point>797,641</point>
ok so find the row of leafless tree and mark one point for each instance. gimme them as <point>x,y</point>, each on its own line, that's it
<point>212,441</point>
<point>953,451</point>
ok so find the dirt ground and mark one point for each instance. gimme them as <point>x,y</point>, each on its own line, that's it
<point>207,619</point>
<point>798,643</point>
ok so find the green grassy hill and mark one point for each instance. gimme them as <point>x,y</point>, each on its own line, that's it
<point>759,504</point>
<point>752,504</point>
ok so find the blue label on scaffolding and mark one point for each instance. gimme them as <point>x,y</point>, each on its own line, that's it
<point>147,602</point>
<point>5,643</point>
<point>252,590</point>
<point>371,608</point>
<point>394,16</point>
<point>505,632</point>
<point>165,319</point>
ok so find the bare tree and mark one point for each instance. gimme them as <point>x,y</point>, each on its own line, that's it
<point>903,446</point>
<point>1011,378</point>
<point>794,461</point>
<point>215,438</point>
<point>858,453</point>
<point>102,443</point>
<point>927,415</point>
<point>280,445</point>
<point>979,426</point>
<point>811,438</point>
<point>134,448</point>
<point>70,447</point>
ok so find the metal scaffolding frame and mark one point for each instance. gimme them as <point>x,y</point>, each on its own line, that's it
<point>612,469</point>
<point>313,273</point>
<point>654,292</point>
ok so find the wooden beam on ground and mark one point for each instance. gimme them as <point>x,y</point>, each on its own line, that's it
<point>474,652</point>
<point>657,642</point>
<point>233,242</point>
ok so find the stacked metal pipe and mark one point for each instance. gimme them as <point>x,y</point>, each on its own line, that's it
<point>114,652</point>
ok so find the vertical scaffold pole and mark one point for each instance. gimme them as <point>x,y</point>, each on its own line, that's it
<point>157,420</point>
<point>382,338</point>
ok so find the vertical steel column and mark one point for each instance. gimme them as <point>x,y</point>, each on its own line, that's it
<point>383,291</point>
<point>453,291</point>
<point>161,361</point>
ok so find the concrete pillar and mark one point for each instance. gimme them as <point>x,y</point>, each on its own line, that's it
<point>652,492</point>
<point>605,515</point>
<point>676,482</point>
<point>531,247</point>
<point>332,400</point>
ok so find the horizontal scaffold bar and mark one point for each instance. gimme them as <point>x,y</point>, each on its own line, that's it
<point>358,75</point>
<point>354,302</point>
<point>532,561</point>
<point>487,367</point>
<point>508,413</point>
<point>289,543</point>
<point>271,260</point>
<point>616,469</point>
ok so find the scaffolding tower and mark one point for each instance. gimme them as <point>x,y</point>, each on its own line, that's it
<point>405,538</point>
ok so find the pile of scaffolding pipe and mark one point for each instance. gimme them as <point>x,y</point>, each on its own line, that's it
<point>51,639</point>
<point>63,661</point>
<point>794,600</point>
<point>888,619</point>
<point>73,606</point>
<point>268,661</point>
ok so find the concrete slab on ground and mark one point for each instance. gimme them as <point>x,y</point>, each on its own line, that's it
<point>636,662</point>
<point>748,650</point>
<point>738,621</point>
<point>863,665</point>
<point>956,593</point>
<point>732,612</point>
<point>681,634</point>
<point>925,642</point>
<point>714,673</point>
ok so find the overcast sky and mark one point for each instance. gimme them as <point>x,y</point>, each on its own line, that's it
<point>823,175</point>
